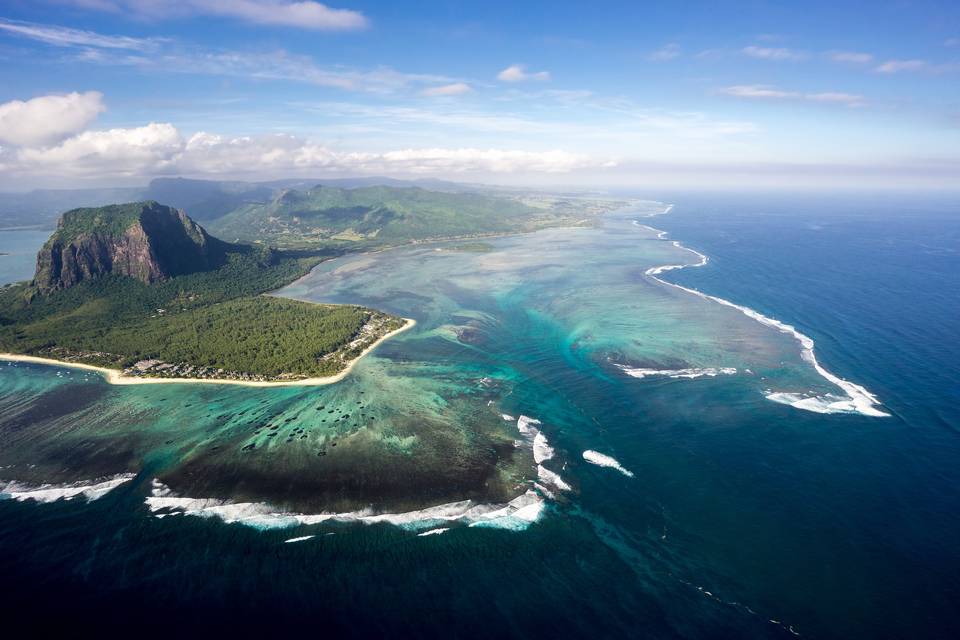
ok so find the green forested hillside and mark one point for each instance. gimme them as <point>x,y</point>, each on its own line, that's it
<point>205,324</point>
<point>379,215</point>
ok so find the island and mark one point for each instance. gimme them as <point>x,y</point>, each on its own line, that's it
<point>143,293</point>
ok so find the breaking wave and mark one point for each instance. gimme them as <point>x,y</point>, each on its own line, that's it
<point>709,372</point>
<point>858,400</point>
<point>517,514</point>
<point>602,460</point>
<point>87,490</point>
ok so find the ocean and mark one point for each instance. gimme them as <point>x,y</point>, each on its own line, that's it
<point>684,470</point>
<point>18,252</point>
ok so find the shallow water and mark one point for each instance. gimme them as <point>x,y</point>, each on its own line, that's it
<point>729,514</point>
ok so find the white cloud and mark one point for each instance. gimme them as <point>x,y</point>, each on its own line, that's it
<point>153,148</point>
<point>48,119</point>
<point>453,89</point>
<point>614,123</point>
<point>303,14</point>
<point>519,73</point>
<point>666,52</point>
<point>895,66</point>
<point>159,148</point>
<point>851,57</point>
<point>757,91</point>
<point>767,92</point>
<point>281,65</point>
<point>67,37</point>
<point>306,14</point>
<point>483,160</point>
<point>772,53</point>
<point>173,57</point>
<point>848,99</point>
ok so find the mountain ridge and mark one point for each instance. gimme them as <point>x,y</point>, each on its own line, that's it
<point>145,240</point>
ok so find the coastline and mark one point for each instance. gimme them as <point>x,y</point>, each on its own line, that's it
<point>114,376</point>
<point>860,401</point>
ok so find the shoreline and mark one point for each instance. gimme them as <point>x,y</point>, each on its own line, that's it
<point>117,377</point>
<point>861,400</point>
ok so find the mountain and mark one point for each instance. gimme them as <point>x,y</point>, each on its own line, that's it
<point>144,240</point>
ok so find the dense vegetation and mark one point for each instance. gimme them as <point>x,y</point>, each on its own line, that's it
<point>210,318</point>
<point>262,334</point>
<point>111,220</point>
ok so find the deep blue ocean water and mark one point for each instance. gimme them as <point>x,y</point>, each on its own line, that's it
<point>745,519</point>
<point>875,280</point>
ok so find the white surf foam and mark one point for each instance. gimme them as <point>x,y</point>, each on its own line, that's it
<point>859,400</point>
<point>542,451</point>
<point>517,514</point>
<point>661,235</point>
<point>551,478</point>
<point>602,460</point>
<point>88,490</point>
<point>677,373</point>
<point>523,425</point>
<point>433,532</point>
<point>298,539</point>
<point>541,448</point>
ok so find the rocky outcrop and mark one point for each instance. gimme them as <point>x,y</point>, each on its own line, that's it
<point>145,240</point>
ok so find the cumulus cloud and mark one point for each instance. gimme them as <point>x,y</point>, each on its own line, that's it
<point>767,92</point>
<point>159,149</point>
<point>519,73</point>
<point>153,148</point>
<point>48,119</point>
<point>303,14</point>
<point>772,53</point>
<point>453,89</point>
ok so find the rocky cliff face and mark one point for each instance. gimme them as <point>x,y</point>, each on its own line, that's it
<point>143,240</point>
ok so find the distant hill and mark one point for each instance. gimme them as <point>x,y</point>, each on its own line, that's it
<point>203,200</point>
<point>144,240</point>
<point>378,215</point>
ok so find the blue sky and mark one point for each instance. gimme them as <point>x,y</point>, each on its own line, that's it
<point>606,94</point>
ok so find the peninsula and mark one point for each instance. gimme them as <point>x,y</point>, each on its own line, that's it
<point>143,293</point>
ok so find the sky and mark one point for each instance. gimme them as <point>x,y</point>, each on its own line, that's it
<point>586,95</point>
